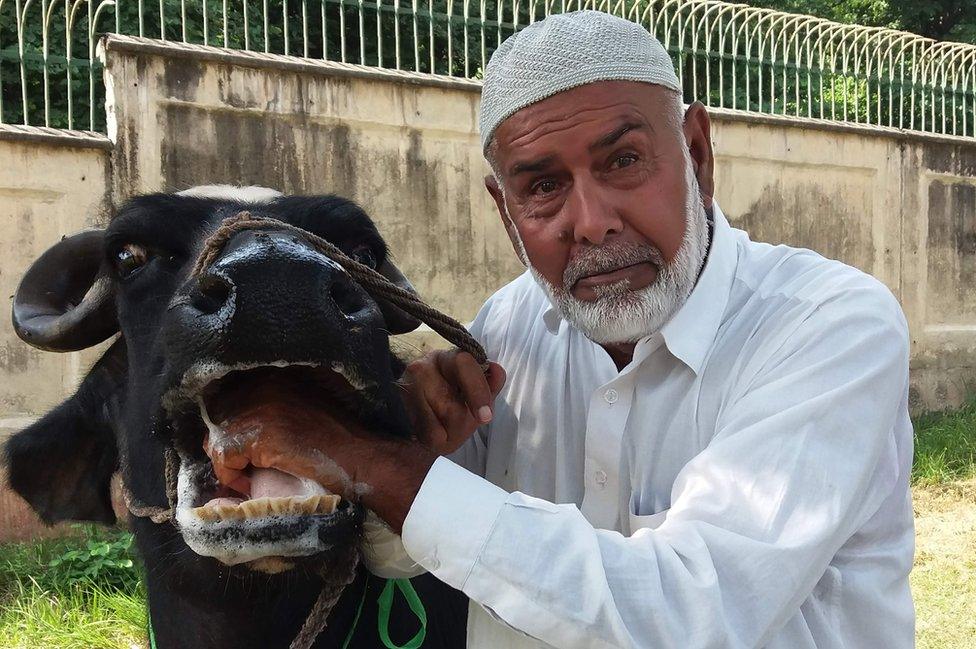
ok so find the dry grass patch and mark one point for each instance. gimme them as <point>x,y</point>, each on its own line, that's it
<point>944,578</point>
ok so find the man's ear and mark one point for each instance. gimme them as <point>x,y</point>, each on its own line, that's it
<point>62,465</point>
<point>491,184</point>
<point>698,135</point>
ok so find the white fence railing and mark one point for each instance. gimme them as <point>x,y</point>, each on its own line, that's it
<point>727,55</point>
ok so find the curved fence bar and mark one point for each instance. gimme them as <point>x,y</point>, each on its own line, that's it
<point>726,55</point>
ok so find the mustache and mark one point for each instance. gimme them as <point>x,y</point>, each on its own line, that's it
<point>608,258</point>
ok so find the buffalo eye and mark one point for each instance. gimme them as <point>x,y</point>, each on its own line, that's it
<point>130,258</point>
<point>365,256</point>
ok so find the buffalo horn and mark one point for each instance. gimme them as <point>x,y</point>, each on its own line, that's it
<point>65,302</point>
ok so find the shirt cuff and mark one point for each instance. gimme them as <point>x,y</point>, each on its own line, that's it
<point>383,551</point>
<point>450,521</point>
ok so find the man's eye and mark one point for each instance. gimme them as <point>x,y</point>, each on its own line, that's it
<point>545,187</point>
<point>365,256</point>
<point>624,161</point>
<point>130,258</point>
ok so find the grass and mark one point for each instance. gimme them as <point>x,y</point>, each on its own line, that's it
<point>945,446</point>
<point>83,591</point>
<point>78,592</point>
<point>944,578</point>
<point>944,494</point>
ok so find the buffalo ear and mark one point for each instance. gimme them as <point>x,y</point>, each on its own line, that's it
<point>62,465</point>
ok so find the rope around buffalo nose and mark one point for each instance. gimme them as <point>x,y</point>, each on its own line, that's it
<point>375,284</point>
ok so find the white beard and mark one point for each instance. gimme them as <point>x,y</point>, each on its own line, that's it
<point>619,314</point>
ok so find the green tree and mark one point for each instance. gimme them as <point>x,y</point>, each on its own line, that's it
<point>952,20</point>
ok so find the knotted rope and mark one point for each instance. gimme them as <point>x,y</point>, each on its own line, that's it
<point>158,514</point>
<point>380,288</point>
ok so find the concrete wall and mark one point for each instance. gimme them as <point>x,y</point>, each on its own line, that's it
<point>52,183</point>
<point>900,206</point>
<point>895,204</point>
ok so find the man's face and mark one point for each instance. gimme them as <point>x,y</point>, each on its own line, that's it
<point>601,191</point>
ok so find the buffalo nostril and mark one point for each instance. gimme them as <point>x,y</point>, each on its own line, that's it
<point>345,296</point>
<point>210,293</point>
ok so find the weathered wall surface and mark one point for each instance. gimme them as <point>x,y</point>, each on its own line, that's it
<point>900,206</point>
<point>51,184</point>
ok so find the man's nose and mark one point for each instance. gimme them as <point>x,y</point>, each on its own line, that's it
<point>594,217</point>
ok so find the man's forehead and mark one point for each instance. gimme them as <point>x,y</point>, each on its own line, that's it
<point>590,108</point>
<point>543,152</point>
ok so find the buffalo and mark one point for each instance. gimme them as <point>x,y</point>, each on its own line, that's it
<point>204,367</point>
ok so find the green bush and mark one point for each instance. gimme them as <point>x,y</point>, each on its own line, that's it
<point>101,561</point>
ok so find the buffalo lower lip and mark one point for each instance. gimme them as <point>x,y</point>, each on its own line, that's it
<point>235,540</point>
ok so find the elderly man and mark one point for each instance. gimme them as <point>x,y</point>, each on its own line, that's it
<point>702,441</point>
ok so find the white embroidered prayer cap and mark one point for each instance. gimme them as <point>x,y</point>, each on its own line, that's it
<point>565,51</point>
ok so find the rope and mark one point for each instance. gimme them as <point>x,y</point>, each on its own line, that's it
<point>157,514</point>
<point>376,284</point>
<point>319,615</point>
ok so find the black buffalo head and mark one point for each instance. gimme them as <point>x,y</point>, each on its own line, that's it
<point>204,364</point>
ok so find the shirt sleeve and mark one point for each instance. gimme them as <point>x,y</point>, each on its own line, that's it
<point>383,554</point>
<point>799,460</point>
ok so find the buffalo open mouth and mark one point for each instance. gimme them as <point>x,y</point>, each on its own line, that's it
<point>253,474</point>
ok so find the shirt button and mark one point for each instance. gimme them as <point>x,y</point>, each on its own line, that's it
<point>600,477</point>
<point>611,396</point>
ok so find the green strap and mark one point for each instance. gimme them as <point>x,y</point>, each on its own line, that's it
<point>385,603</point>
<point>152,635</point>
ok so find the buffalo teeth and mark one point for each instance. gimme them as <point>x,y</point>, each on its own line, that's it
<point>290,505</point>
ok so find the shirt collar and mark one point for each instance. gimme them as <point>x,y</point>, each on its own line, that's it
<point>690,332</point>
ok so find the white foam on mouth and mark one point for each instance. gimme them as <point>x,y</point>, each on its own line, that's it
<point>220,441</point>
<point>237,541</point>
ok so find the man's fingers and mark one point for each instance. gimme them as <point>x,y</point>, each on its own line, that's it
<point>463,371</point>
<point>439,403</point>
<point>496,378</point>
<point>430,430</point>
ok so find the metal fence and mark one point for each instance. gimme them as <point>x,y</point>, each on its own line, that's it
<point>727,55</point>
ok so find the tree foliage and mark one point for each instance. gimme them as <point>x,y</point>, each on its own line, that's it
<point>943,20</point>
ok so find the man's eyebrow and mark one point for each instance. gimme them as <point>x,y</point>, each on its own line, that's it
<point>616,134</point>
<point>531,167</point>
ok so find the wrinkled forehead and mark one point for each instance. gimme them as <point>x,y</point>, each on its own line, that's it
<point>583,115</point>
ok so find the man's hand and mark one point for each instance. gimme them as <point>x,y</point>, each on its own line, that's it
<point>449,396</point>
<point>447,393</point>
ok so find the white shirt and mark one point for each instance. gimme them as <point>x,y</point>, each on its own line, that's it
<point>743,482</point>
